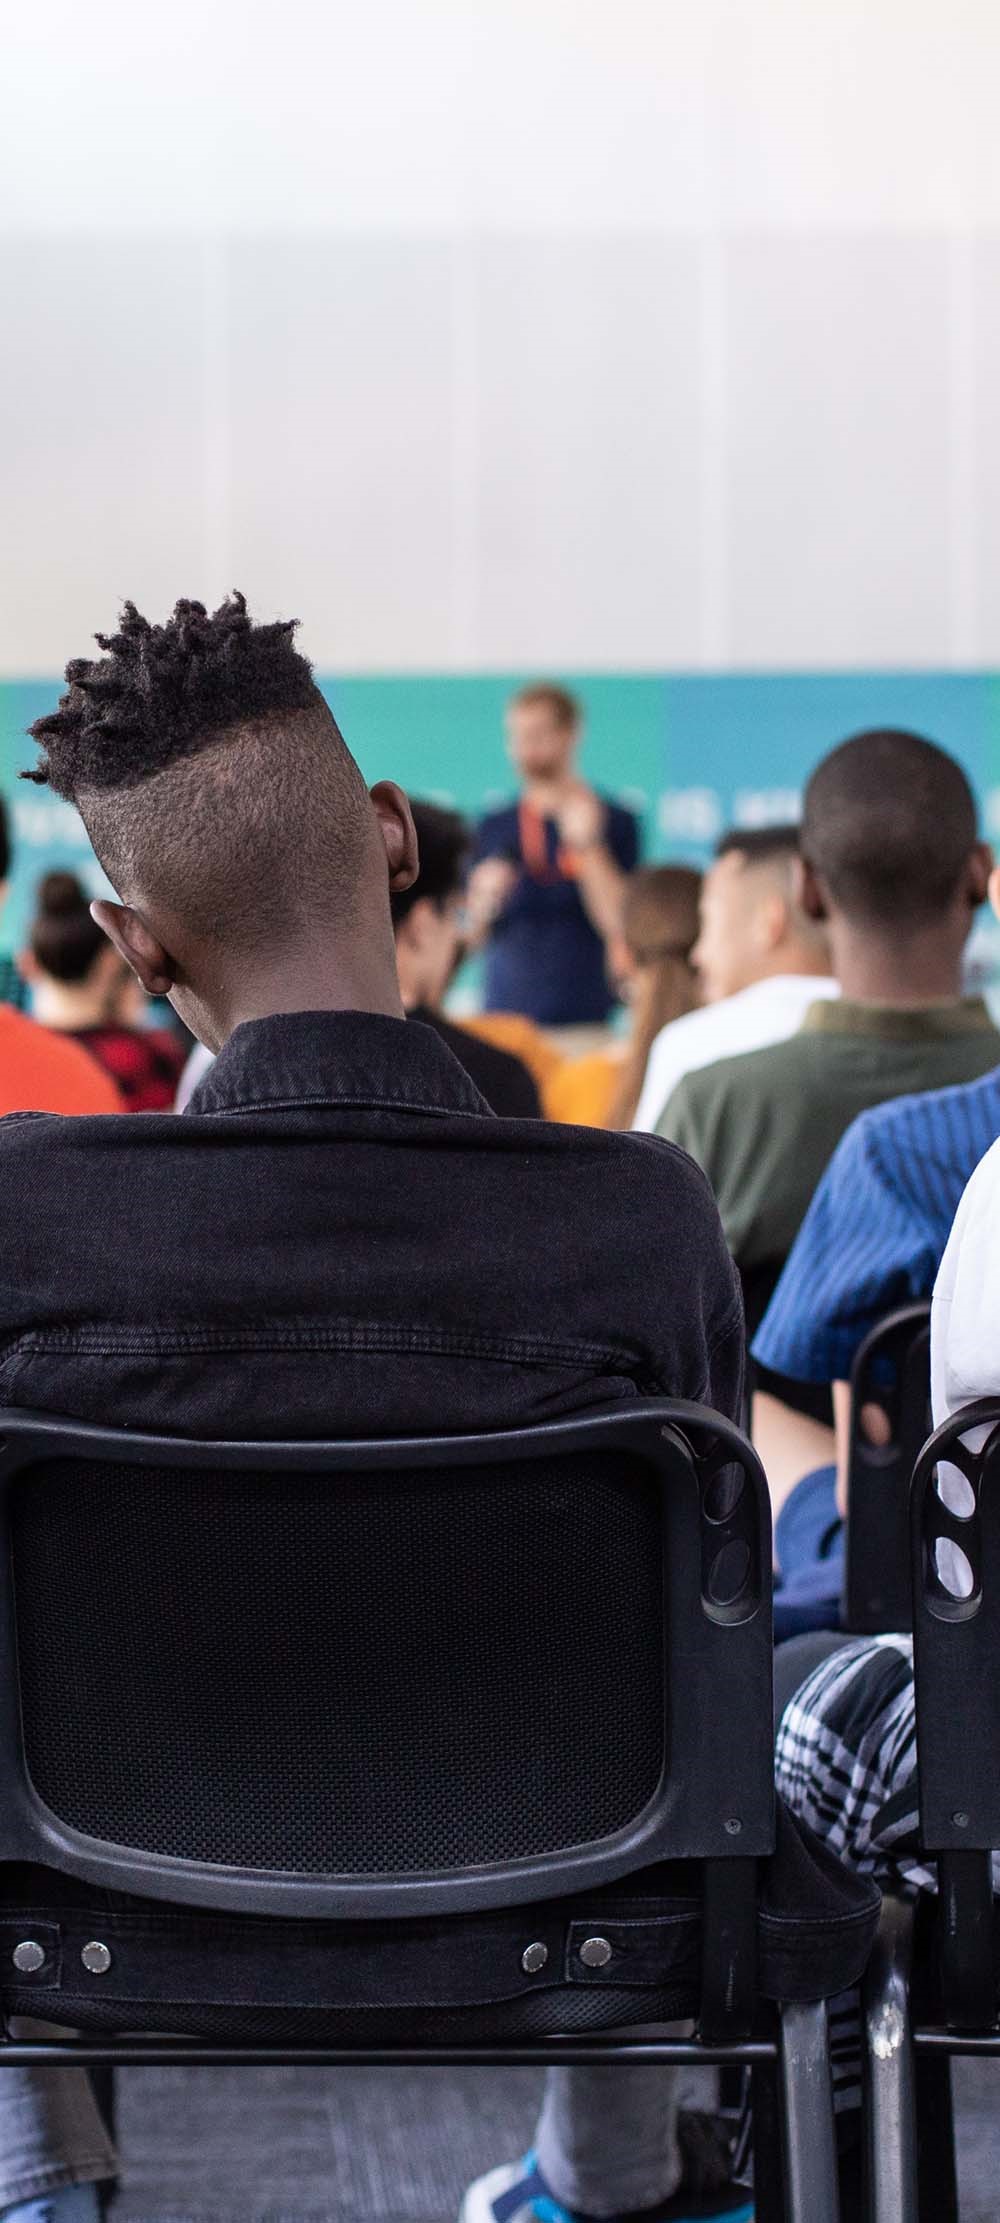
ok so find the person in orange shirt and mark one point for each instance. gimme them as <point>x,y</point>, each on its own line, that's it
<point>40,1071</point>
<point>651,958</point>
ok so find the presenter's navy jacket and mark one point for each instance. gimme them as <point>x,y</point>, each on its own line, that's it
<point>339,1238</point>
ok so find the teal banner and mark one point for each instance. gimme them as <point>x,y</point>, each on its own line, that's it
<point>692,754</point>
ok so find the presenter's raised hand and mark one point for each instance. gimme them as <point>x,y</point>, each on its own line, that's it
<point>581,816</point>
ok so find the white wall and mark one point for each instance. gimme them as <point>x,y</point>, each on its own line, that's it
<point>490,333</point>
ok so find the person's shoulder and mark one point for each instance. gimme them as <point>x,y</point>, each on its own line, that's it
<point>690,1029</point>
<point>709,1029</point>
<point>981,1195</point>
<point>30,1134</point>
<point>946,1125</point>
<point>39,1063</point>
<point>695,1039</point>
<point>744,1072</point>
<point>971,1259</point>
<point>498,820</point>
<point>636,1166</point>
<point>966,1296</point>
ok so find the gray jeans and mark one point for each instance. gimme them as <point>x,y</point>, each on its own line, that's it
<point>607,2138</point>
<point>51,2130</point>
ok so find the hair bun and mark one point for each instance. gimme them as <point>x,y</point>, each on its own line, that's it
<point>62,896</point>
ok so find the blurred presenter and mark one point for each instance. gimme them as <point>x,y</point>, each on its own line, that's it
<point>545,894</point>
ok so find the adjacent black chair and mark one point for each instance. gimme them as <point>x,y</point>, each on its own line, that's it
<point>955,1560</point>
<point>435,1751</point>
<point>892,1372</point>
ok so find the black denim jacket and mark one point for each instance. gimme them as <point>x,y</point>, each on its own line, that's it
<point>339,1238</point>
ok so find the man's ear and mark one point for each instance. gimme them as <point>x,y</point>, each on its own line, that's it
<point>810,894</point>
<point>981,872</point>
<point>399,834</point>
<point>994,889</point>
<point>772,922</point>
<point>152,965</point>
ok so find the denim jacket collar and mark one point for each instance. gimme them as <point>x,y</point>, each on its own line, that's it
<point>336,1057</point>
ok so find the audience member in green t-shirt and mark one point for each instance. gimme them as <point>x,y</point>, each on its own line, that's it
<point>891,861</point>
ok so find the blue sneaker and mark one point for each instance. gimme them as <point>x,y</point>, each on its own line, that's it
<point>71,2203</point>
<point>518,2193</point>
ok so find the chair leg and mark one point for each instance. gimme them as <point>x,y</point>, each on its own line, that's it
<point>889,2071</point>
<point>936,2163</point>
<point>103,2081</point>
<point>807,2116</point>
<point>768,2183</point>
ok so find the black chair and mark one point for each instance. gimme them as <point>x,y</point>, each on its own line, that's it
<point>891,1371</point>
<point>955,1561</point>
<point>427,1751</point>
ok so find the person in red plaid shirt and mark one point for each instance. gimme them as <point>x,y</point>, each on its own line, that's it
<point>80,986</point>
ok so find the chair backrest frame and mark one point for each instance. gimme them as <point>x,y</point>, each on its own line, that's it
<point>876,1592</point>
<point>718,1803</point>
<point>956,1658</point>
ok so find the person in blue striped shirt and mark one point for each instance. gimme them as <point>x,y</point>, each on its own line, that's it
<point>873,1238</point>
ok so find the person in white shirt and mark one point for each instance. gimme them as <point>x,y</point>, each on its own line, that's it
<point>965,1345</point>
<point>760,961</point>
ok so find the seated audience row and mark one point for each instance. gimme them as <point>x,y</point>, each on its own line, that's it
<point>342,1238</point>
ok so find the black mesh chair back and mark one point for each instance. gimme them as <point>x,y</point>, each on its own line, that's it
<point>891,1372</point>
<point>382,1706</point>
<point>375,1679</point>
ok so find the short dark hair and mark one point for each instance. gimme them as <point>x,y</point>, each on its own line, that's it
<point>562,706</point>
<point>443,844</point>
<point>64,938</point>
<point>160,692</point>
<point>760,844</point>
<point>209,770</point>
<point>889,822</point>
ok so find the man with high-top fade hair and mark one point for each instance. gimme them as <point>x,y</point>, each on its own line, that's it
<point>338,1238</point>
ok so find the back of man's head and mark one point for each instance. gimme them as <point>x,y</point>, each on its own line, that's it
<point>889,835</point>
<point>752,924</point>
<point>253,867</point>
<point>210,774</point>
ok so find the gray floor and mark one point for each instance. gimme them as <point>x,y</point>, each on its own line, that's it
<point>314,2146</point>
<point>397,2146</point>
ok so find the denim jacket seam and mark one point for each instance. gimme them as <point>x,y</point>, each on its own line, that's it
<point>340,1103</point>
<point>207,1341</point>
